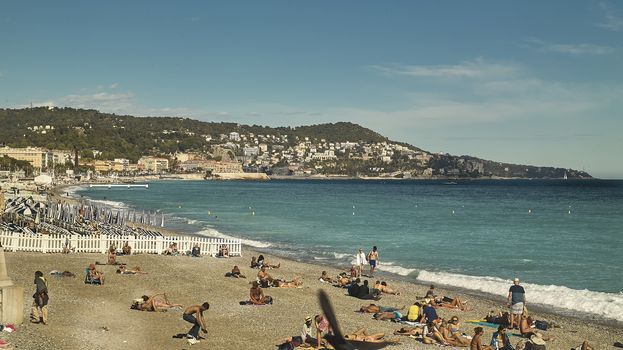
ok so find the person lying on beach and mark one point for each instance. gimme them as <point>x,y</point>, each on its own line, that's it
<point>265,278</point>
<point>257,296</point>
<point>373,309</point>
<point>585,346</point>
<point>235,272</point>
<point>126,249</point>
<point>476,343</point>
<point>415,331</point>
<point>123,270</point>
<point>156,302</point>
<point>498,317</point>
<point>528,332</point>
<point>388,315</point>
<point>325,278</point>
<point>95,275</point>
<point>62,274</point>
<point>383,288</point>
<point>362,335</point>
<point>343,281</point>
<point>454,335</point>
<point>451,303</point>
<point>295,283</point>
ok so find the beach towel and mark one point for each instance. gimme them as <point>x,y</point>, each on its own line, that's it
<point>412,323</point>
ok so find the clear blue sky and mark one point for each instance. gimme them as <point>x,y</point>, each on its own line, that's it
<point>534,82</point>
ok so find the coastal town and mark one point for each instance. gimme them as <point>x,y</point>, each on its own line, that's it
<point>234,151</point>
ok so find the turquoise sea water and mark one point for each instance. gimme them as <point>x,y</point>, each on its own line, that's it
<point>562,238</point>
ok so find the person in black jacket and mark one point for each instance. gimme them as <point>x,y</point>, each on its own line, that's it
<point>39,310</point>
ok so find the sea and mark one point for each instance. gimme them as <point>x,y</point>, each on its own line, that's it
<point>562,238</point>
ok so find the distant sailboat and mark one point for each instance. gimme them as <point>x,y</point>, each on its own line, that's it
<point>564,176</point>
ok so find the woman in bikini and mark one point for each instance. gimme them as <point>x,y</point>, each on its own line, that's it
<point>154,303</point>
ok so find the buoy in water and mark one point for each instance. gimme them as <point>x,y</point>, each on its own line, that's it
<point>453,212</point>
<point>179,206</point>
<point>253,213</point>
<point>353,213</point>
<point>529,210</point>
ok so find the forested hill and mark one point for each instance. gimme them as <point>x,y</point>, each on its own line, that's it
<point>333,149</point>
<point>122,135</point>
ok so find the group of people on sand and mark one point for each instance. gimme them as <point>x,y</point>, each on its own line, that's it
<point>372,259</point>
<point>308,338</point>
<point>173,250</point>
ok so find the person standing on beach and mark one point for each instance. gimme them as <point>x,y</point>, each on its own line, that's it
<point>198,322</point>
<point>361,260</point>
<point>39,310</point>
<point>373,259</point>
<point>516,302</point>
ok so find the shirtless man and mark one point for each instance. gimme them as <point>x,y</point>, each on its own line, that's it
<point>362,335</point>
<point>373,309</point>
<point>476,343</point>
<point>527,332</point>
<point>264,276</point>
<point>295,283</point>
<point>197,321</point>
<point>382,286</point>
<point>256,295</point>
<point>373,260</point>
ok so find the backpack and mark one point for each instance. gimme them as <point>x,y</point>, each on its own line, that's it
<point>542,325</point>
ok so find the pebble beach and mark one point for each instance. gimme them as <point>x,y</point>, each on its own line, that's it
<point>99,317</point>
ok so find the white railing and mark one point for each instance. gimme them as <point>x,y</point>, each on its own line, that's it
<point>54,243</point>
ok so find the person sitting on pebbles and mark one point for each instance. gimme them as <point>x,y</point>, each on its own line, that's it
<point>325,278</point>
<point>235,272</point>
<point>382,286</point>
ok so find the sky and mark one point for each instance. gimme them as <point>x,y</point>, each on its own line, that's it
<point>529,82</point>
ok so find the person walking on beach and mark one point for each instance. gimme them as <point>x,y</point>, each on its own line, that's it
<point>516,302</point>
<point>39,310</point>
<point>361,260</point>
<point>197,321</point>
<point>373,259</point>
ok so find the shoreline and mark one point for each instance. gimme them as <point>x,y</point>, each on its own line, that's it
<point>108,323</point>
<point>274,250</point>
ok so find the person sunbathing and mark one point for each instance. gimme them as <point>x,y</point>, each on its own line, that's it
<point>223,251</point>
<point>343,281</point>
<point>265,278</point>
<point>415,331</point>
<point>373,309</point>
<point>362,335</point>
<point>585,346</point>
<point>235,272</point>
<point>324,277</point>
<point>112,255</point>
<point>432,334</point>
<point>295,283</point>
<point>388,315</point>
<point>450,303</point>
<point>257,296</point>
<point>95,275</point>
<point>453,335</point>
<point>157,302</point>
<point>476,343</point>
<point>254,264</point>
<point>123,270</point>
<point>498,317</point>
<point>528,332</point>
<point>383,288</point>
<point>126,249</point>
<point>172,250</point>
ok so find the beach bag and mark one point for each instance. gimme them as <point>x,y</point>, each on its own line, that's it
<point>542,325</point>
<point>268,299</point>
<point>532,346</point>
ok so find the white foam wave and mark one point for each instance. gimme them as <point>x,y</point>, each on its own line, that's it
<point>607,305</point>
<point>341,255</point>
<point>390,267</point>
<point>210,232</point>
<point>113,204</point>
<point>192,222</point>
<point>320,258</point>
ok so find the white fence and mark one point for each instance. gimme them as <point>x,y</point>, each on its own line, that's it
<point>54,243</point>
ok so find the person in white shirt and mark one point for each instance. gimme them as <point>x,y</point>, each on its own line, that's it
<point>361,261</point>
